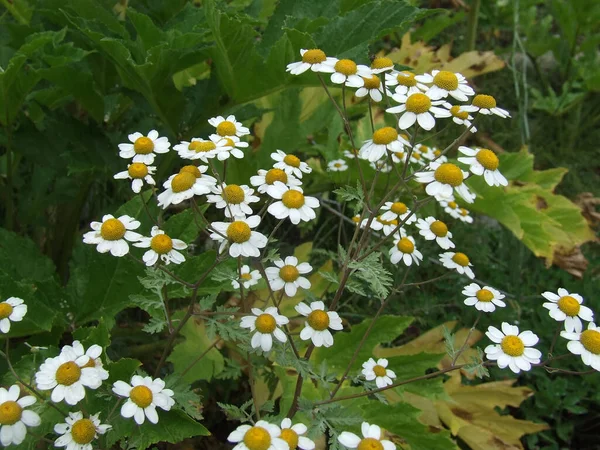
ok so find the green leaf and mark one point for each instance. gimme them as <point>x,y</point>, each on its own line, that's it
<point>185,225</point>
<point>88,336</point>
<point>371,271</point>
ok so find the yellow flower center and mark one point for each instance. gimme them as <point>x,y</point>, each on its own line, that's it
<point>399,155</point>
<point>90,363</point>
<point>292,160</point>
<point>484,295</point>
<point>356,219</point>
<point>461,259</point>
<point>182,182</point>
<point>484,101</point>
<point>257,438</point>
<point>372,82</point>
<point>337,165</point>
<point>314,56</point>
<point>265,323</point>
<point>161,244</point>
<point>512,346</point>
<point>379,371</point>
<point>293,199</point>
<point>191,169</point>
<point>141,396</point>
<point>437,153</point>
<point>418,103</point>
<point>385,136</point>
<point>137,170</point>
<point>345,67</point>
<point>406,78</point>
<point>569,305</point>
<point>226,128</point>
<point>416,155</point>
<point>318,320</point>
<point>381,63</point>
<point>387,222</point>
<point>246,276</point>
<point>439,228</point>
<point>68,373</point>
<point>291,437</point>
<point>233,194</point>
<point>452,205</point>
<point>10,413</point>
<point>456,112</point>
<point>369,444</point>
<point>464,212</point>
<point>590,339</point>
<point>112,230</point>
<point>487,159</point>
<point>143,146</point>
<point>274,175</point>
<point>289,273</point>
<point>83,431</point>
<point>399,208</point>
<point>238,232</point>
<point>5,310</point>
<point>202,146</point>
<point>449,173</point>
<point>446,80</point>
<point>405,245</point>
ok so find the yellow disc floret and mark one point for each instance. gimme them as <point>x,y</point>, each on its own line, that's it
<point>369,444</point>
<point>381,63</point>
<point>461,259</point>
<point>191,169</point>
<point>5,310</point>
<point>453,205</point>
<point>449,173</point>
<point>406,78</point>
<point>137,170</point>
<point>161,244</point>
<point>10,413</point>
<point>238,232</point>
<point>456,112</point>
<point>569,305</point>
<point>246,276</point>
<point>405,245</point>
<point>257,438</point>
<point>314,56</point>
<point>484,101</point>
<point>385,136</point>
<point>233,194</point>
<point>345,67</point>
<point>83,431</point>
<point>379,371</point>
<point>112,230</point>
<point>372,82</point>
<point>590,339</point>
<point>418,103</point>
<point>512,346</point>
<point>274,175</point>
<point>293,199</point>
<point>399,208</point>
<point>487,159</point>
<point>292,160</point>
<point>318,320</point>
<point>265,323</point>
<point>141,396</point>
<point>439,228</point>
<point>226,128</point>
<point>68,373</point>
<point>143,145</point>
<point>289,273</point>
<point>202,146</point>
<point>291,437</point>
<point>484,295</point>
<point>446,80</point>
<point>182,182</point>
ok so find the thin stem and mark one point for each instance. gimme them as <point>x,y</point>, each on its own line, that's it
<point>466,339</point>
<point>252,388</point>
<point>10,205</point>
<point>556,333</point>
<point>202,355</point>
<point>371,116</point>
<point>152,219</point>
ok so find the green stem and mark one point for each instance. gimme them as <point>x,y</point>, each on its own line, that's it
<point>472,24</point>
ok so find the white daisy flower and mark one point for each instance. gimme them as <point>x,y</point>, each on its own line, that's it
<point>262,436</point>
<point>77,433</point>
<point>435,154</point>
<point>111,235</point>
<point>337,165</point>
<point>380,224</point>
<point>266,323</point>
<point>313,59</point>
<point>483,298</point>
<point>14,418</point>
<point>144,148</point>
<point>143,396</point>
<point>93,353</point>
<point>372,87</point>
<point>399,157</point>
<point>247,278</point>
<point>190,181</point>
<point>568,308</point>
<point>381,166</point>
<point>485,104</point>
<point>435,230</point>
<point>201,149</point>
<point>234,199</point>
<point>416,157</point>
<point>287,275</point>
<point>292,434</point>
<point>405,83</point>
<point>378,371</point>
<point>293,204</point>
<point>457,261</point>
<point>463,215</point>
<point>447,83</point>
<point>138,173</point>
<point>231,146</point>
<point>317,323</point>
<point>398,211</point>
<point>461,117</point>
<point>443,179</point>
<point>371,439</point>
<point>404,249</point>
<point>350,154</point>
<point>13,309</point>
<point>265,180</point>
<point>383,64</point>
<point>512,349</point>
<point>450,206</point>
<point>242,240</point>
<point>484,162</point>
<point>348,72</point>
<point>385,139</point>
<point>290,164</point>
<point>161,246</point>
<point>586,344</point>
<point>418,108</point>
<point>228,127</point>
<point>68,374</point>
